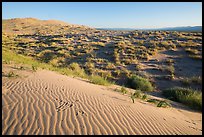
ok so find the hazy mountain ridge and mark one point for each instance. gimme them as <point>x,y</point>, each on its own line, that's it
<point>187,29</point>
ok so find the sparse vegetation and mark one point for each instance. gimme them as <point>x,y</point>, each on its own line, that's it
<point>155,101</point>
<point>192,80</point>
<point>101,56</point>
<point>136,94</point>
<point>140,83</point>
<point>123,90</point>
<point>187,96</point>
<point>99,80</point>
<point>144,97</point>
<point>10,74</point>
<point>163,103</point>
<point>34,68</point>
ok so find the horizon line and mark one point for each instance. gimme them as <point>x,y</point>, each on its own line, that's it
<point>105,27</point>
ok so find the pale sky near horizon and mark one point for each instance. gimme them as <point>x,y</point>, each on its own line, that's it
<point>110,14</point>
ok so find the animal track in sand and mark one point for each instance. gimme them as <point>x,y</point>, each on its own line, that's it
<point>64,105</point>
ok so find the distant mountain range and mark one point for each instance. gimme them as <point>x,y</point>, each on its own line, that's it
<point>187,28</point>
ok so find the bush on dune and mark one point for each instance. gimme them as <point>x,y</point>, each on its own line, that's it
<point>187,96</point>
<point>140,83</point>
<point>98,80</point>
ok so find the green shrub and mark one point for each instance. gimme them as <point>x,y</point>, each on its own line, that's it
<point>34,67</point>
<point>190,97</point>
<point>98,80</point>
<point>116,72</point>
<point>155,101</point>
<point>46,55</point>
<point>74,66</point>
<point>58,62</point>
<point>163,103</point>
<point>123,90</point>
<point>144,97</point>
<point>194,79</point>
<point>11,74</point>
<point>140,83</point>
<point>77,70</point>
<point>110,66</point>
<point>169,61</point>
<point>90,67</point>
<point>138,67</point>
<point>136,94</point>
<point>170,69</point>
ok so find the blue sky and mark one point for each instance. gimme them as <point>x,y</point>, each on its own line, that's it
<point>110,14</point>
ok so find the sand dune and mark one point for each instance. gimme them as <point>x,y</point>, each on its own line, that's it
<point>49,103</point>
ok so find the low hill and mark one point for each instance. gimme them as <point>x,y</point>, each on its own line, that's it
<point>36,26</point>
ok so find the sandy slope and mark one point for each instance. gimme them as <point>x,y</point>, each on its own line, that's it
<point>49,103</point>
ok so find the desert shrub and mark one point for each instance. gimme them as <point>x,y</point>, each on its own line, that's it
<point>116,56</point>
<point>144,56</point>
<point>165,44</point>
<point>99,80</point>
<point>190,97</point>
<point>11,74</point>
<point>110,66</point>
<point>126,72</point>
<point>138,67</point>
<point>155,101</point>
<point>34,67</point>
<point>173,46</point>
<point>90,67</point>
<point>104,74</point>
<point>163,103</point>
<point>140,83</point>
<point>98,44</point>
<point>191,51</point>
<point>128,61</point>
<point>123,90</point>
<point>144,97</point>
<point>169,61</point>
<point>75,67</point>
<point>170,69</point>
<point>58,62</point>
<point>136,94</point>
<point>194,79</point>
<point>21,68</point>
<point>172,76</point>
<point>152,51</point>
<point>116,72</point>
<point>45,55</point>
<point>196,57</point>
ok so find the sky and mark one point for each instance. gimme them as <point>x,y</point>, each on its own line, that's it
<point>110,14</point>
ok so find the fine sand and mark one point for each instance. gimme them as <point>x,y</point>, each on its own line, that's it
<point>46,102</point>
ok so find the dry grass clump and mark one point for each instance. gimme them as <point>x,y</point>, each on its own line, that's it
<point>10,74</point>
<point>192,80</point>
<point>187,96</point>
<point>45,55</point>
<point>197,57</point>
<point>192,51</point>
<point>58,62</point>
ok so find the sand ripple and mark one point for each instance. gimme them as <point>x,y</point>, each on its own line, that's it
<point>49,103</point>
